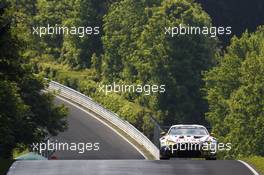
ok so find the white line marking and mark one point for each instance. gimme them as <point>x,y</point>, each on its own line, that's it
<point>249,167</point>
<point>63,99</point>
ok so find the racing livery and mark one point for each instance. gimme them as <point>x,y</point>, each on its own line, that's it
<point>188,141</point>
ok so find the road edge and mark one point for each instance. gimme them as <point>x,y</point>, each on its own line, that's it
<point>113,128</point>
<point>249,167</point>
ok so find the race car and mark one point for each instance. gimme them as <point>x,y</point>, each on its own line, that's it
<point>188,141</point>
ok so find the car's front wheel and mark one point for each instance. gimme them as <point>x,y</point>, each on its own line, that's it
<point>164,153</point>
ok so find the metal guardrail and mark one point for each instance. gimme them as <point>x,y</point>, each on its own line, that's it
<point>112,117</point>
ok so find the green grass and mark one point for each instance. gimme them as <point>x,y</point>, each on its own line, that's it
<point>17,153</point>
<point>65,71</point>
<point>256,162</point>
<point>4,165</point>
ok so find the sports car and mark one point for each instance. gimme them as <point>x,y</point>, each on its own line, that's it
<point>188,141</point>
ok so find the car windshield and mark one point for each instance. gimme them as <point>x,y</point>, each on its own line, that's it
<point>188,131</point>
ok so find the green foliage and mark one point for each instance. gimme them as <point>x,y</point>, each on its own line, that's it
<point>138,51</point>
<point>76,51</point>
<point>73,51</point>
<point>235,95</point>
<point>122,28</point>
<point>132,48</point>
<point>26,114</point>
<point>49,12</point>
<point>68,49</point>
<point>256,162</point>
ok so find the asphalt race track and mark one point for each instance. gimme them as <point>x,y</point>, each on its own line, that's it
<point>128,167</point>
<point>86,129</point>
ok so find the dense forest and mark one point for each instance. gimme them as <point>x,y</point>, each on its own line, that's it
<point>216,82</point>
<point>26,114</point>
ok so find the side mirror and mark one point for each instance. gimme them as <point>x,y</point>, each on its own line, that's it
<point>163,133</point>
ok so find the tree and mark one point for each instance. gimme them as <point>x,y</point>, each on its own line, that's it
<point>26,114</point>
<point>138,51</point>
<point>235,95</point>
<point>72,50</point>
<point>123,25</point>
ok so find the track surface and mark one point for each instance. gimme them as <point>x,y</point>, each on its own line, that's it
<point>128,167</point>
<point>86,129</point>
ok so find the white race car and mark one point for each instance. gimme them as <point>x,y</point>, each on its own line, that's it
<point>188,141</point>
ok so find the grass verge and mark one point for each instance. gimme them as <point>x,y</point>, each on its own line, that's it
<point>17,153</point>
<point>256,162</point>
